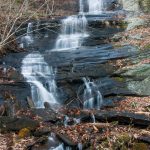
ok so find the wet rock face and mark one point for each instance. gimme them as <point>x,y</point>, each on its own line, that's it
<point>19,90</point>
<point>13,85</point>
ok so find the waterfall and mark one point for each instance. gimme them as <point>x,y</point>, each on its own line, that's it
<point>29,28</point>
<point>41,78</point>
<point>28,39</point>
<point>95,6</point>
<point>66,120</point>
<point>80,146</point>
<point>81,7</point>
<point>72,33</point>
<point>73,29</point>
<point>92,96</point>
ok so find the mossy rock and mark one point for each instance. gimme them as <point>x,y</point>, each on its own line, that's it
<point>147,47</point>
<point>123,24</point>
<point>120,79</point>
<point>141,88</point>
<point>24,133</point>
<point>141,71</point>
<point>145,5</point>
<point>140,146</point>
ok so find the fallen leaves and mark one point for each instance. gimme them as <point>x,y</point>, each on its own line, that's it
<point>130,37</point>
<point>133,104</point>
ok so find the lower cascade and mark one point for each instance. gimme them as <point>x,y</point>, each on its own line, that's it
<point>92,96</point>
<point>41,78</point>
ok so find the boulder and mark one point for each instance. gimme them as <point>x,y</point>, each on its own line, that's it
<point>141,88</point>
<point>131,5</point>
<point>46,115</point>
<point>135,22</point>
<point>123,118</point>
<point>16,124</point>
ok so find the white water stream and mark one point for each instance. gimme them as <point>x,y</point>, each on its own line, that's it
<point>73,30</point>
<point>95,6</point>
<point>92,96</point>
<point>41,78</point>
<point>72,33</point>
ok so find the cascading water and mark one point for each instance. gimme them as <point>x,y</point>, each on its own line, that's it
<point>28,39</point>
<point>72,34</point>
<point>81,3</point>
<point>73,31</point>
<point>41,78</point>
<point>61,147</point>
<point>80,146</point>
<point>66,119</point>
<point>95,6</point>
<point>92,96</point>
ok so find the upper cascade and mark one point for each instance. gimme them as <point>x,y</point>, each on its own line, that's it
<point>72,33</point>
<point>41,78</point>
<point>93,6</point>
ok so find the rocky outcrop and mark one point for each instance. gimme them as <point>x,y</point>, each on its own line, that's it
<point>131,5</point>
<point>145,5</point>
<point>135,8</point>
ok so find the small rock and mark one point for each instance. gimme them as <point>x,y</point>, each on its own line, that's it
<point>47,105</point>
<point>24,133</point>
<point>116,38</point>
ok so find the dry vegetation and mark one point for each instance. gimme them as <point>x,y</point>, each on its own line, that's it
<point>139,36</point>
<point>17,12</point>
